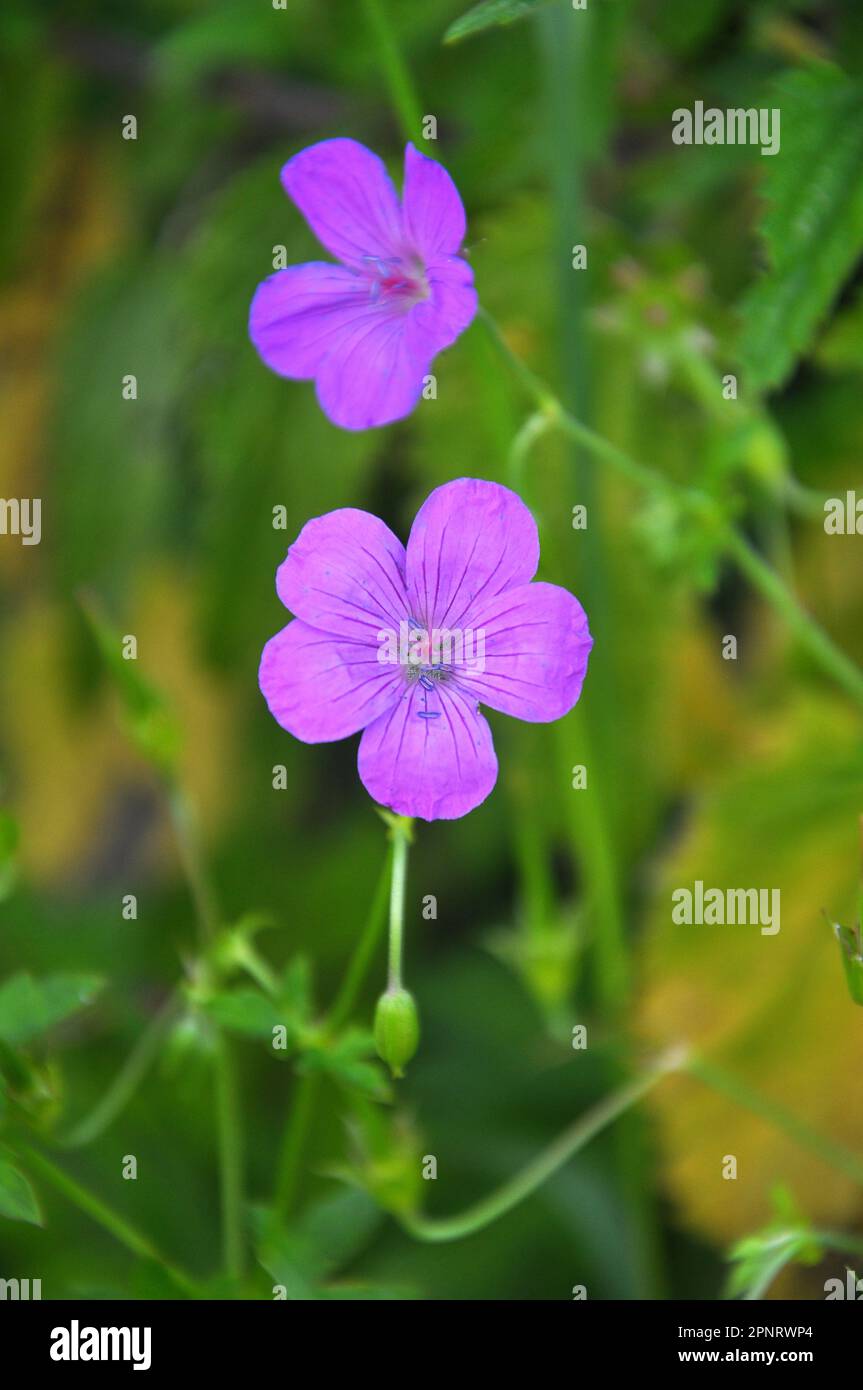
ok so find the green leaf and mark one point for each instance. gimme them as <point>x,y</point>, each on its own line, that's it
<point>851,944</point>
<point>29,1007</point>
<point>295,994</point>
<point>489,13</point>
<point>9,836</point>
<point>344,1058</point>
<point>758,1259</point>
<point>813,226</point>
<point>328,1235</point>
<point>17,1199</point>
<point>245,1011</point>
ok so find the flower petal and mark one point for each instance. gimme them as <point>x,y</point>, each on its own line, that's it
<point>346,196</point>
<point>344,574</point>
<point>470,540</point>
<point>536,644</point>
<point>436,322</point>
<point>437,769</point>
<point>434,217</point>
<point>298,314</point>
<point>374,372</point>
<point>323,688</point>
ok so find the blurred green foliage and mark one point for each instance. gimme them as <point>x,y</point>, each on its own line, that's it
<point>140,257</point>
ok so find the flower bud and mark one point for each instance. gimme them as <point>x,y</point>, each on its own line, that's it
<point>397,1029</point>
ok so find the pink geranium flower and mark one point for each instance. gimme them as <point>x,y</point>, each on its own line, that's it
<point>366,331</point>
<point>365,650</point>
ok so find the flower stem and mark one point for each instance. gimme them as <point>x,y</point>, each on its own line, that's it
<point>395,71</point>
<point>821,648</point>
<point>547,1163</point>
<point>117,1226</point>
<point>401,842</point>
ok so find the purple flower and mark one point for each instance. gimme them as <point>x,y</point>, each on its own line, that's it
<point>406,644</point>
<point>366,331</point>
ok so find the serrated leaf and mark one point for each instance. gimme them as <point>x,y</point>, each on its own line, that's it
<point>17,1199</point>
<point>29,1007</point>
<point>490,13</point>
<point>813,225</point>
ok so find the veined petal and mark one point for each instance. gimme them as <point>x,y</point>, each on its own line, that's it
<point>470,541</point>
<point>434,217</point>
<point>347,197</point>
<point>299,314</point>
<point>535,644</point>
<point>344,574</point>
<point>323,688</point>
<point>435,768</point>
<point>374,371</point>
<point>436,322</point>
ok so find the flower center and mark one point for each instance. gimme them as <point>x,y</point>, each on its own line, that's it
<point>398,282</point>
<point>425,667</point>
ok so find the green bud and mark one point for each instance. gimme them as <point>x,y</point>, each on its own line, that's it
<point>397,1029</point>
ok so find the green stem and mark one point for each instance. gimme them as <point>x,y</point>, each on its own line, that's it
<point>823,650</point>
<point>302,1110</point>
<point>395,71</point>
<point>401,842</point>
<point>127,1080</point>
<point>228,1110</point>
<point>191,859</point>
<point>363,952</point>
<point>812,637</point>
<point>122,1231</point>
<point>547,1163</point>
<point>718,1079</point>
<point>231,1157</point>
<point>297,1129</point>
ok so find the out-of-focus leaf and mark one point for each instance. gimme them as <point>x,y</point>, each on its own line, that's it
<point>17,1199</point>
<point>841,347</point>
<point>851,945</point>
<point>9,836</point>
<point>757,1259</point>
<point>29,1007</point>
<point>345,1059</point>
<point>489,13</point>
<point>769,1008</point>
<point>245,1011</point>
<point>813,225</point>
<point>148,719</point>
<point>327,1235</point>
